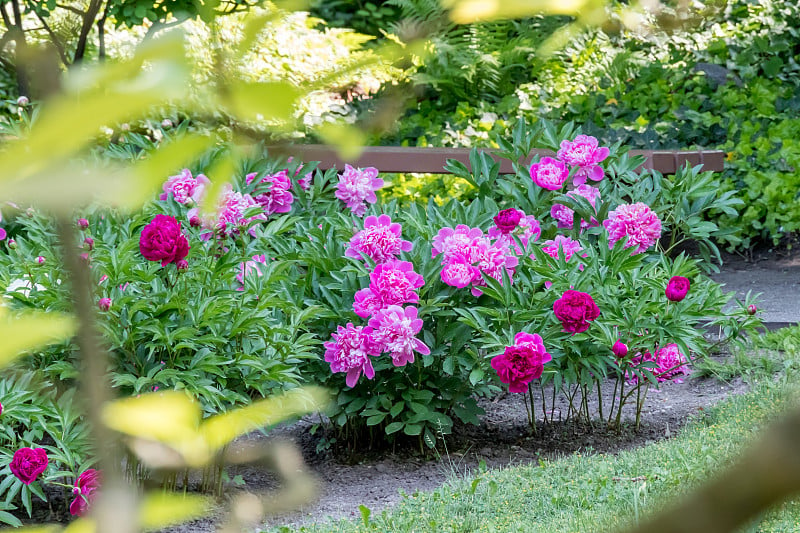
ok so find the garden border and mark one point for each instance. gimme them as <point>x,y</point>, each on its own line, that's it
<point>432,160</point>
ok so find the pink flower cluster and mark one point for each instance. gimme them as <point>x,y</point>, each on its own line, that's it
<point>380,240</point>
<point>564,215</point>
<point>669,362</point>
<point>357,186</point>
<point>272,192</point>
<point>567,246</point>
<point>184,188</point>
<point>525,227</point>
<point>521,363</point>
<point>467,254</point>
<point>582,153</point>
<point>230,216</point>
<point>391,283</point>
<point>636,222</point>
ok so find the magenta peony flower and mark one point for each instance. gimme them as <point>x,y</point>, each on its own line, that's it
<point>575,310</point>
<point>549,173</point>
<point>507,220</point>
<point>162,240</point>
<point>568,247</point>
<point>89,242</point>
<point>564,215</point>
<point>520,364</point>
<point>459,273</point>
<point>357,186</point>
<point>85,491</point>
<point>584,153</point>
<point>669,363</point>
<point>637,222</point>
<point>83,223</point>
<point>677,288</point>
<point>28,464</point>
<point>277,197</point>
<point>394,330</point>
<point>380,240</point>
<point>184,188</point>
<point>246,268</point>
<point>395,283</point>
<point>104,304</point>
<point>620,349</point>
<point>366,303</point>
<point>349,352</point>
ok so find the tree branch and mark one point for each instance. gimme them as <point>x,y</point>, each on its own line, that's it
<point>53,37</point>
<point>88,21</point>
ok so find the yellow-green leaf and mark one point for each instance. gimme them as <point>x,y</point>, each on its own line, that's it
<point>159,509</point>
<point>32,330</point>
<point>263,101</point>
<point>469,11</point>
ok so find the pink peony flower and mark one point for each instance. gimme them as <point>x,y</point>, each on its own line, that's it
<point>637,222</point>
<point>549,173</point>
<point>357,186</point>
<point>162,240</point>
<point>584,153</point>
<point>230,215</point>
<point>85,491</point>
<point>380,240</point>
<point>467,253</point>
<point>366,303</point>
<point>459,273</point>
<point>669,363</point>
<point>1,408</point>
<point>246,268</point>
<point>83,223</point>
<point>104,304</point>
<point>564,215</point>
<point>277,197</point>
<point>349,352</point>
<point>575,310</point>
<point>28,464</point>
<point>568,247</point>
<point>394,330</point>
<point>620,349</point>
<point>395,283</point>
<point>521,363</point>
<point>450,241</point>
<point>508,219</point>
<point>677,288</point>
<point>184,188</point>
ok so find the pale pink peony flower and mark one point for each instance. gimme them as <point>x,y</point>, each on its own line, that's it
<point>670,362</point>
<point>569,247</point>
<point>349,352</point>
<point>583,152</point>
<point>230,215</point>
<point>247,268</point>
<point>273,192</point>
<point>357,186</point>
<point>184,187</point>
<point>394,330</point>
<point>549,173</point>
<point>380,240</point>
<point>451,241</point>
<point>637,222</point>
<point>564,215</point>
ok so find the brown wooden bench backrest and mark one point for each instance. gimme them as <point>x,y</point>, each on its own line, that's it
<point>432,160</point>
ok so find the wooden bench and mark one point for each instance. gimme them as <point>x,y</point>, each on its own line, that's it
<point>432,160</point>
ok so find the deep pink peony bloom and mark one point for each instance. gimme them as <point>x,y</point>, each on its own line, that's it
<point>508,219</point>
<point>366,303</point>
<point>670,362</point>
<point>564,215</point>
<point>584,153</point>
<point>568,247</point>
<point>28,464</point>
<point>637,222</point>
<point>620,349</point>
<point>246,268</point>
<point>677,288</point>
<point>162,240</point>
<point>184,188</point>
<point>575,310</point>
<point>380,240</point>
<point>104,304</point>
<point>549,173</point>
<point>520,364</point>
<point>83,223</point>
<point>394,330</point>
<point>349,352</point>
<point>357,186</point>
<point>459,273</point>
<point>85,491</point>
<point>273,192</point>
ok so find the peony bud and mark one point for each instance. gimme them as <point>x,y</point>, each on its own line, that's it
<point>1,408</point>
<point>166,123</point>
<point>89,242</point>
<point>12,244</point>
<point>104,304</point>
<point>40,260</point>
<point>751,309</point>
<point>507,219</point>
<point>22,101</point>
<point>620,349</point>
<point>677,287</point>
<point>183,265</point>
<point>125,126</point>
<point>194,221</point>
<point>83,223</point>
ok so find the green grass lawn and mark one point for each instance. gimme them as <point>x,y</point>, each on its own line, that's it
<point>588,493</point>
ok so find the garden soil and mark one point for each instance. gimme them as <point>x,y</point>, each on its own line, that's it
<point>378,480</point>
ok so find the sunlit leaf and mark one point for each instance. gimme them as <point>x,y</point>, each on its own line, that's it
<point>259,101</point>
<point>32,330</point>
<point>170,416</point>
<point>159,509</point>
<point>221,429</point>
<point>468,11</point>
<point>81,525</point>
<point>347,139</point>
